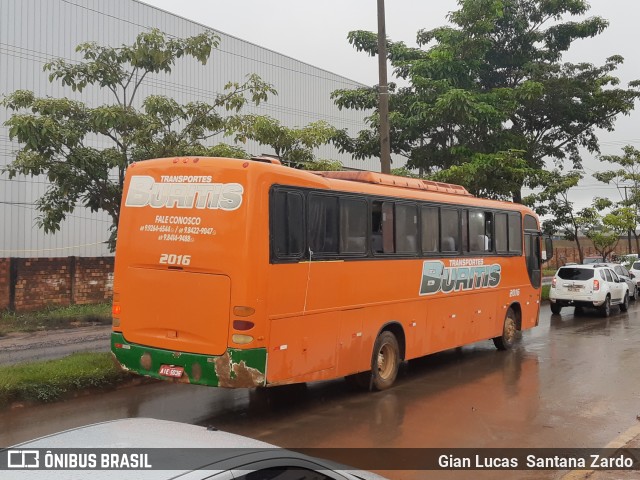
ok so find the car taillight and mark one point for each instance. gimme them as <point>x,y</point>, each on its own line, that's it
<point>553,282</point>
<point>596,285</point>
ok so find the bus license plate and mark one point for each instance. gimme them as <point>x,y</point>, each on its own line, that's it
<point>170,371</point>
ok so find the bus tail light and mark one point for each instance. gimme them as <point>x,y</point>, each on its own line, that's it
<point>596,285</point>
<point>243,325</point>
<point>241,339</point>
<point>241,311</point>
<point>115,315</point>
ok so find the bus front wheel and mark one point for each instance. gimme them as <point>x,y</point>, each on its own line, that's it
<point>509,332</point>
<point>385,361</point>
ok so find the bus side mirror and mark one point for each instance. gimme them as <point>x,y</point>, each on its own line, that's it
<point>548,246</point>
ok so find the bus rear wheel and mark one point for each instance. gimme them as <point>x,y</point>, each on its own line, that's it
<point>385,361</point>
<point>509,332</point>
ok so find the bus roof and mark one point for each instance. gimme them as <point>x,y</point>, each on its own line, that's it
<point>350,181</point>
<point>396,181</point>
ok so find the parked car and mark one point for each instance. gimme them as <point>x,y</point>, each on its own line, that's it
<point>628,277</point>
<point>182,451</point>
<point>590,260</point>
<point>634,268</point>
<point>592,286</point>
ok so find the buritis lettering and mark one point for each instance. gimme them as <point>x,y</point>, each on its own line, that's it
<point>144,191</point>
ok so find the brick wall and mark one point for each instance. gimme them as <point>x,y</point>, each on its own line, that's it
<point>44,282</point>
<point>564,255</point>
<point>93,280</point>
<point>5,289</point>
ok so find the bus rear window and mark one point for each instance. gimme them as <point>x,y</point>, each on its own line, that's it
<point>575,274</point>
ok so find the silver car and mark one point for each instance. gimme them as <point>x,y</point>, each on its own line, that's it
<point>628,277</point>
<point>174,451</point>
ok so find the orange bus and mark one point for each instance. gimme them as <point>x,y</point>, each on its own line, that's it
<point>238,273</point>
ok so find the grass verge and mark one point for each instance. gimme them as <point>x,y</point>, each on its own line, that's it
<point>55,379</point>
<point>545,292</point>
<point>54,318</point>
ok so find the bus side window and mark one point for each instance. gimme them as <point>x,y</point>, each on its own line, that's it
<point>501,232</point>
<point>406,229</point>
<point>382,227</point>
<point>515,233</point>
<point>488,231</point>
<point>323,224</point>
<point>430,229</point>
<point>353,225</point>
<point>376,227</point>
<point>449,230</point>
<point>288,222</point>
<point>480,231</point>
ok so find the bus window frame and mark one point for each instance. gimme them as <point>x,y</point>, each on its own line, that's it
<point>369,253</point>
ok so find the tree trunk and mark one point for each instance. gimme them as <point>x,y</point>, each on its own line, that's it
<point>580,254</point>
<point>517,196</point>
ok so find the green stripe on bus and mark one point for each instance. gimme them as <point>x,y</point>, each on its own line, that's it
<point>235,369</point>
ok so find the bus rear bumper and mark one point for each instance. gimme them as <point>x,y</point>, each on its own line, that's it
<point>235,369</point>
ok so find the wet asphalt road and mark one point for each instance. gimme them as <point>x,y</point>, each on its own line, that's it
<point>571,382</point>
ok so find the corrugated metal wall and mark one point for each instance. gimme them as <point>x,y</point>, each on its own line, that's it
<point>33,32</point>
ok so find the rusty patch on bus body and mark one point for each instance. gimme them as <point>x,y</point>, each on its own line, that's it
<point>236,375</point>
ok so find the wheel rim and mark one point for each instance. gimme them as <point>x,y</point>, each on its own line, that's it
<point>509,330</point>
<point>386,361</point>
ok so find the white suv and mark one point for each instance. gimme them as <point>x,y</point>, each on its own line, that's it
<point>635,270</point>
<point>595,286</point>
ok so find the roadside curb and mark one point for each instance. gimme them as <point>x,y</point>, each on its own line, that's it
<point>626,440</point>
<point>23,347</point>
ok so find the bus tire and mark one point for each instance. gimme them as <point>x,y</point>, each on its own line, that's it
<point>509,332</point>
<point>385,361</point>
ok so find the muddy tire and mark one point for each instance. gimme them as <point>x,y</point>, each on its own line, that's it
<point>385,361</point>
<point>605,309</point>
<point>507,340</point>
<point>624,306</point>
<point>555,309</point>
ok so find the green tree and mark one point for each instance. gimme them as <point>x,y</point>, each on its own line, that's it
<point>294,146</point>
<point>604,229</point>
<point>552,203</point>
<point>493,81</point>
<point>59,135</point>
<point>626,178</point>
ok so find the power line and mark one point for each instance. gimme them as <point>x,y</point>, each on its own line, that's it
<point>40,250</point>
<point>349,81</point>
<point>199,93</point>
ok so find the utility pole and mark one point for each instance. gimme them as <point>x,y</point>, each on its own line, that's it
<point>626,202</point>
<point>383,93</point>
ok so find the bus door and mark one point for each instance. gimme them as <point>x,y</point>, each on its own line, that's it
<point>533,258</point>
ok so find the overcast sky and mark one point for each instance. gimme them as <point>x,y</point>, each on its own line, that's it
<point>316,33</point>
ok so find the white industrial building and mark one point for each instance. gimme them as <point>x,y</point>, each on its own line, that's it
<point>34,32</point>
